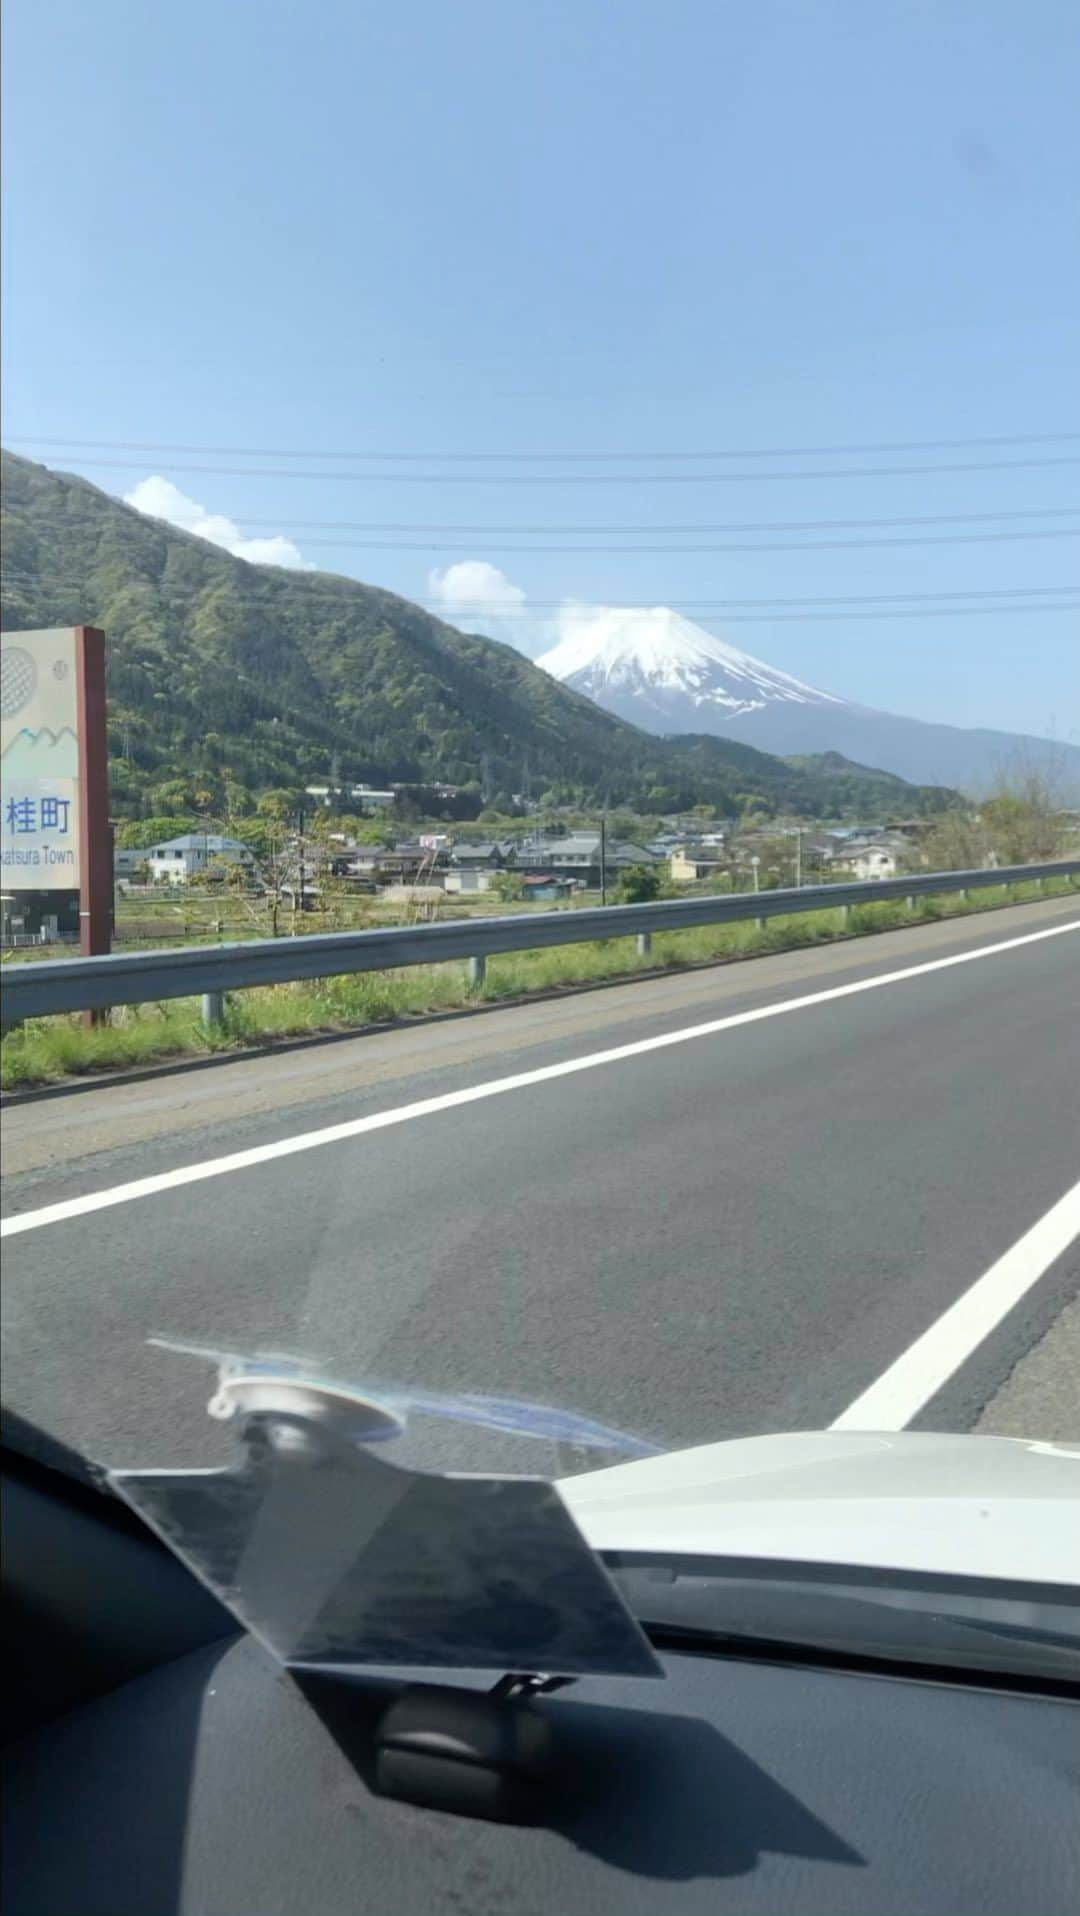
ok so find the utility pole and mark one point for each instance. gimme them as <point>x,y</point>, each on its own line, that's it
<point>300,840</point>
<point>603,857</point>
<point>798,861</point>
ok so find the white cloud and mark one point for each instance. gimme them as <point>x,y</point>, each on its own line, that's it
<point>160,499</point>
<point>478,595</point>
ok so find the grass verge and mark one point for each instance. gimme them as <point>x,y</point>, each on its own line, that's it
<point>46,1049</point>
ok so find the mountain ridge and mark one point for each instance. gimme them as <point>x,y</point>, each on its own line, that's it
<point>227,675</point>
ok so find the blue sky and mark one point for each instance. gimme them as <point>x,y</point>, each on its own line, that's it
<point>578,227</point>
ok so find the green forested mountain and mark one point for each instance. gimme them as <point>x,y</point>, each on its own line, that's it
<point>228,679</point>
<point>861,788</point>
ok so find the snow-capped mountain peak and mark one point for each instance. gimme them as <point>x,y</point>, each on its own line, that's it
<point>665,674</point>
<point>648,663</point>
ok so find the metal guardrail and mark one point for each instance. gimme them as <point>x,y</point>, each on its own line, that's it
<point>143,977</point>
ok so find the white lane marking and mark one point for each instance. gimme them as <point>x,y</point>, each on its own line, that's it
<point>473,1094</point>
<point>901,1392</point>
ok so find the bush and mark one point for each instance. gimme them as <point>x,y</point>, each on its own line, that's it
<point>638,885</point>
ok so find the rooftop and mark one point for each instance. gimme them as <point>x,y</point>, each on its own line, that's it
<point>198,841</point>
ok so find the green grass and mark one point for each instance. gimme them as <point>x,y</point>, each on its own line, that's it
<point>45,1049</point>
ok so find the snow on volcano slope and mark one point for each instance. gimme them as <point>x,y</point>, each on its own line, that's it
<point>653,666</point>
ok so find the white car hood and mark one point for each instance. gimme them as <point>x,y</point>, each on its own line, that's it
<point>972,1506</point>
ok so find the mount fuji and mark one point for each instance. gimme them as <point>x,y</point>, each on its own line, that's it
<point>664,672</point>
<point>668,675</point>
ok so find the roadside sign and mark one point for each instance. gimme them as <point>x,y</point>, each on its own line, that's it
<point>54,801</point>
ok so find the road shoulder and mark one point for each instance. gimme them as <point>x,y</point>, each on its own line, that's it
<point>1041,1396</point>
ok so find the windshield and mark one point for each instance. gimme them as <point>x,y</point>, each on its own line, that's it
<point>541,769</point>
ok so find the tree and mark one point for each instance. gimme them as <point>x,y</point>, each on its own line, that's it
<point>961,842</point>
<point>280,803</point>
<point>638,884</point>
<point>140,834</point>
<point>1022,822</point>
<point>275,864</point>
<point>319,825</point>
<point>176,795</point>
<point>506,885</point>
<point>777,862</point>
<point>1024,816</point>
<point>238,800</point>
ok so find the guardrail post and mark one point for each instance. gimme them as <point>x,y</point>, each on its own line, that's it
<point>644,943</point>
<point>845,916</point>
<point>909,902</point>
<point>213,1007</point>
<point>477,972</point>
<point>964,894</point>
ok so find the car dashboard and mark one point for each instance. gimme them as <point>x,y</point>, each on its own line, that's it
<point>158,1760</point>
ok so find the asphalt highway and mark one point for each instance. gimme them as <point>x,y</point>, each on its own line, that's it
<point>738,1223</point>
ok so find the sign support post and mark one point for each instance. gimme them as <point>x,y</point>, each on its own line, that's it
<point>95,837</point>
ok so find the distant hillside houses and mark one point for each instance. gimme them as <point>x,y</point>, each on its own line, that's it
<point>178,860</point>
<point>579,860</point>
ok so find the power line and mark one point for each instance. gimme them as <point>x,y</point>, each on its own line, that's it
<point>591,478</point>
<point>808,545</point>
<point>721,605</point>
<point>477,530</point>
<point>449,614</point>
<point>953,612</point>
<point>1015,596</point>
<point>643,549</point>
<point>818,618</point>
<point>314,589</point>
<point>566,458</point>
<point>737,525</point>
